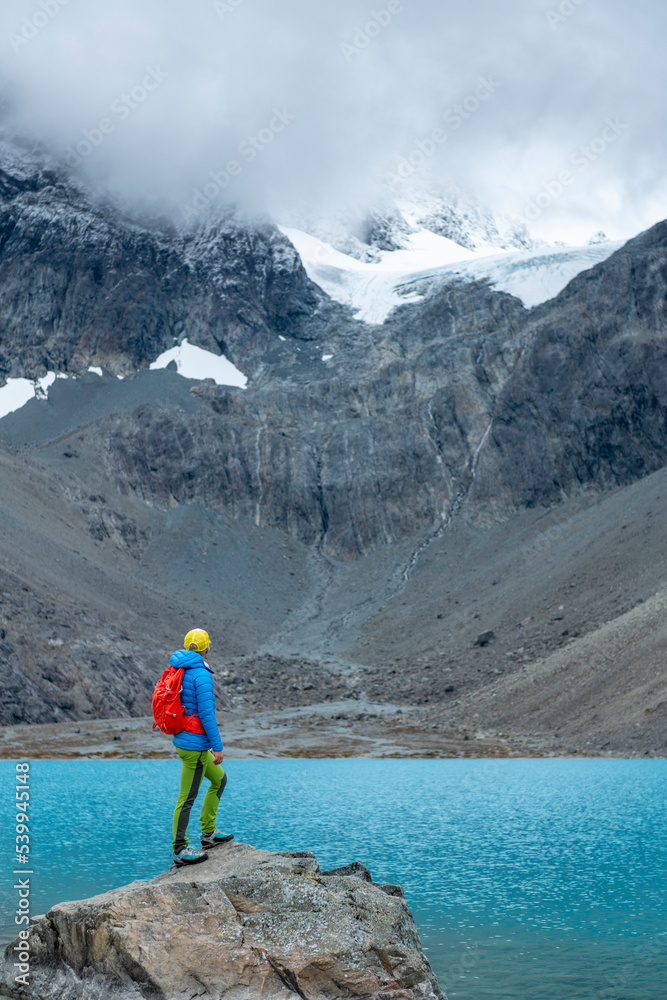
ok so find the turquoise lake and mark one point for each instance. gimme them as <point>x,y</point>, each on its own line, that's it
<point>528,879</point>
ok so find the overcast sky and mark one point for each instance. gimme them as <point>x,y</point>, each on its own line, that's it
<point>320,102</point>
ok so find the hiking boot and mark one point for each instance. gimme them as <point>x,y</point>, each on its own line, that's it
<point>215,838</point>
<point>188,856</point>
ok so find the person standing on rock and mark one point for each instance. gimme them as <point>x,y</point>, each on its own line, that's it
<point>200,752</point>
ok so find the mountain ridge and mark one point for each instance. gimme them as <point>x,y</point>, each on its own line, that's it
<point>290,510</point>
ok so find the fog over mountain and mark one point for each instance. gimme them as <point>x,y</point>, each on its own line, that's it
<point>436,480</point>
<point>317,103</point>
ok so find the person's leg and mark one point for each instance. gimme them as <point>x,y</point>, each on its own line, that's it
<point>192,773</point>
<point>209,810</point>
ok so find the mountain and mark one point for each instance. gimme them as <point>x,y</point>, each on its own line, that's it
<point>378,259</point>
<point>592,388</point>
<point>359,513</point>
<point>83,284</point>
<point>405,208</point>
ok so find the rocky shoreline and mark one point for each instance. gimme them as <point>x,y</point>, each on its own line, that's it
<point>339,729</point>
<point>245,924</point>
<point>350,728</point>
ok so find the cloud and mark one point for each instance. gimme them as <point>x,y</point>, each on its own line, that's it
<point>361,83</point>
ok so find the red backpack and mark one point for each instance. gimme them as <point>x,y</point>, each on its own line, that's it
<point>168,711</point>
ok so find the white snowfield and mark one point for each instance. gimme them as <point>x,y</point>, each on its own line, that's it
<point>16,392</point>
<point>374,289</point>
<point>192,362</point>
<point>196,363</point>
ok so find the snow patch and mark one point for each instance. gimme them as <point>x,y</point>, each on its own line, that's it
<point>196,363</point>
<point>15,394</point>
<point>96,371</point>
<point>18,391</point>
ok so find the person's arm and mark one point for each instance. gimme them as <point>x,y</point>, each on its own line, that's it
<point>205,697</point>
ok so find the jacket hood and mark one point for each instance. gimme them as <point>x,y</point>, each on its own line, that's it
<point>187,658</point>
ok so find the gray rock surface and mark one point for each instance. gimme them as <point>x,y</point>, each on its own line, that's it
<point>586,405</point>
<point>82,283</point>
<point>347,527</point>
<point>243,925</point>
<point>349,455</point>
<point>465,400</point>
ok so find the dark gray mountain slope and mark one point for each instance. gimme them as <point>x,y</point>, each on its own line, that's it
<point>293,514</point>
<point>380,442</point>
<point>82,284</point>
<point>587,404</point>
<point>387,441</point>
<point>346,459</point>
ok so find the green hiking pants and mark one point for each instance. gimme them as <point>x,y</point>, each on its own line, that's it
<point>197,764</point>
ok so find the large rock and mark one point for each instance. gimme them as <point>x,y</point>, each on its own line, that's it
<point>245,924</point>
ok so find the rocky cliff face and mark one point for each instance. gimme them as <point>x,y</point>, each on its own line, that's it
<point>351,458</point>
<point>379,442</point>
<point>83,284</point>
<point>245,924</point>
<point>586,405</point>
<point>386,439</point>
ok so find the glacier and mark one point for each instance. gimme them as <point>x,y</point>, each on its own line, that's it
<point>374,288</point>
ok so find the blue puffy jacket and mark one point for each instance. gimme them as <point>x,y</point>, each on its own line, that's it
<point>197,697</point>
